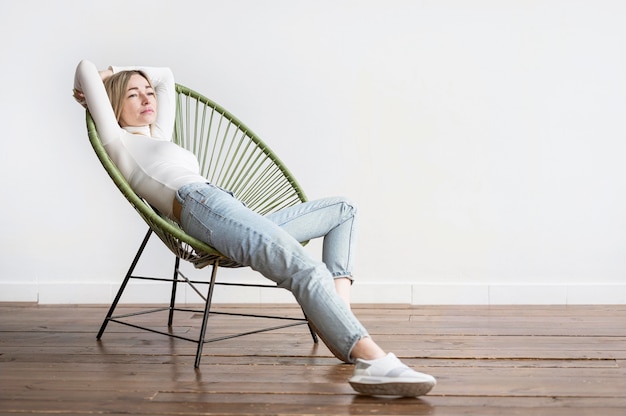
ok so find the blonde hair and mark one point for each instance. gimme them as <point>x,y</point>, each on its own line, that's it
<point>116,86</point>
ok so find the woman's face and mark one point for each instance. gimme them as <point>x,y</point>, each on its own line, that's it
<point>140,105</point>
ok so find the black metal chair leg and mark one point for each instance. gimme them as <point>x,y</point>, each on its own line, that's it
<point>170,319</point>
<point>207,310</point>
<point>313,334</point>
<point>123,286</point>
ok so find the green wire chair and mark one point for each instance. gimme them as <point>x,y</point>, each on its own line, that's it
<point>231,156</point>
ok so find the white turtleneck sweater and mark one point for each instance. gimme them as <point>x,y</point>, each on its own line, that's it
<point>154,166</point>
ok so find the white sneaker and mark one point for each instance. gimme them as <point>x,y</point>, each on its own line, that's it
<point>388,376</point>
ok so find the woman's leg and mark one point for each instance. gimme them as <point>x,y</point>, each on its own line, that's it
<point>342,287</point>
<point>215,217</point>
<point>334,219</point>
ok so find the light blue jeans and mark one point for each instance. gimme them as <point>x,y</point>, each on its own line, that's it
<point>271,245</point>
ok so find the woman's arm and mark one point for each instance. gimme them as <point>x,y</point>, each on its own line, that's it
<point>89,91</point>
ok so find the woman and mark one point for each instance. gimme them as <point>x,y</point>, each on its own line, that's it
<point>134,113</point>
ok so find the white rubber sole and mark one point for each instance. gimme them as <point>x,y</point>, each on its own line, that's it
<point>384,386</point>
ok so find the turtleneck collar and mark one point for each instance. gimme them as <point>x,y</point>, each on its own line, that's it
<point>144,130</point>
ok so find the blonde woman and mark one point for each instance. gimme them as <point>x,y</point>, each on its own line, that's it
<point>134,110</point>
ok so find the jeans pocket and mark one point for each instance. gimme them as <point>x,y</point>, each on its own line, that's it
<point>193,223</point>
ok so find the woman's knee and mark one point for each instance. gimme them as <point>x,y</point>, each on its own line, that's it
<point>349,208</point>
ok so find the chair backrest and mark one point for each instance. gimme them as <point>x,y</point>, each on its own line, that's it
<point>231,156</point>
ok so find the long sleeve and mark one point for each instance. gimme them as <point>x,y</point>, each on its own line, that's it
<point>87,79</point>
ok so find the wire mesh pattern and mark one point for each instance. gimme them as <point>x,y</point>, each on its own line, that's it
<point>231,156</point>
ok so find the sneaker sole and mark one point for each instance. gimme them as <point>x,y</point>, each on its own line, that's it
<point>374,388</point>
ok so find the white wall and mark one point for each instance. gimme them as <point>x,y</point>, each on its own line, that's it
<point>483,140</point>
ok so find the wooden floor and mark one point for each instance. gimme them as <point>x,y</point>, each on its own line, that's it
<point>520,360</point>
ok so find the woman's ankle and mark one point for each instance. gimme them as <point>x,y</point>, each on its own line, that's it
<point>367,349</point>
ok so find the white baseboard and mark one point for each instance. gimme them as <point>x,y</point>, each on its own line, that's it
<point>400,293</point>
